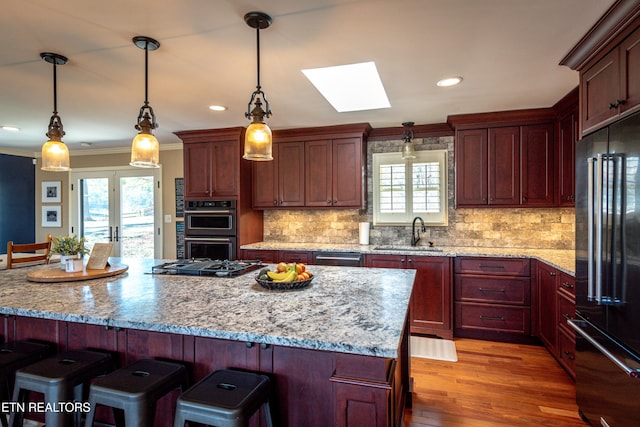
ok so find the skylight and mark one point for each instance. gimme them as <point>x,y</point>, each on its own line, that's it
<point>353,87</point>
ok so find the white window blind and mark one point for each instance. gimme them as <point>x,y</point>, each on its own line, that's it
<point>404,189</point>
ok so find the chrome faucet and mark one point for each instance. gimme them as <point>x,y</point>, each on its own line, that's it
<point>415,235</point>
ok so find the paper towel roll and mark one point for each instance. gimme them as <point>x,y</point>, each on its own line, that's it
<point>364,233</point>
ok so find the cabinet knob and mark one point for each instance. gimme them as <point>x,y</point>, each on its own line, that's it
<point>567,285</point>
<point>335,202</point>
<point>409,260</point>
<point>328,202</point>
<point>249,344</point>
<point>264,346</point>
<point>552,273</point>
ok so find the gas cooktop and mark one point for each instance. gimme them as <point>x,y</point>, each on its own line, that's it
<point>207,267</point>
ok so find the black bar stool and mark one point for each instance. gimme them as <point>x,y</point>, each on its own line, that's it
<point>135,389</point>
<point>61,379</point>
<point>13,356</point>
<point>226,398</point>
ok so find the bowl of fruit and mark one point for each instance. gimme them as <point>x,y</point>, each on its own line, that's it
<point>287,276</point>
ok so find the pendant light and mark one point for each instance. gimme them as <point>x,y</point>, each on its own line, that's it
<point>145,150</point>
<point>407,135</point>
<point>55,154</point>
<point>258,137</point>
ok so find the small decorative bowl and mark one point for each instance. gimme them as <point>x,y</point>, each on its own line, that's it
<point>284,286</point>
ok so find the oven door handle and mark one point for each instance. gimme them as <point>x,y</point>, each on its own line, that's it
<point>209,239</point>
<point>218,212</point>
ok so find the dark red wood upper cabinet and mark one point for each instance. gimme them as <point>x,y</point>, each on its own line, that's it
<point>291,174</point>
<point>568,135</point>
<point>610,86</point>
<point>347,167</point>
<point>317,171</point>
<point>504,166</point>
<point>471,167</point>
<point>537,149</point>
<point>265,182</point>
<point>212,168</point>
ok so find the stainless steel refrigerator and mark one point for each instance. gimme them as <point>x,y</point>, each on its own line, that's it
<point>607,319</point>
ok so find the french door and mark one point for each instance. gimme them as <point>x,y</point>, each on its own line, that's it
<point>122,206</point>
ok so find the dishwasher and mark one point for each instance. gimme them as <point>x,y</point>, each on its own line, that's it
<point>349,259</point>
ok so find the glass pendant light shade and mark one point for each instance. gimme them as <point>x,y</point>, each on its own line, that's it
<point>55,156</point>
<point>145,151</point>
<point>258,138</point>
<point>408,151</point>
<point>258,142</point>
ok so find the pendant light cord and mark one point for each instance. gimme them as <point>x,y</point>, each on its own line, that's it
<point>258,86</point>
<point>55,89</point>
<point>146,73</point>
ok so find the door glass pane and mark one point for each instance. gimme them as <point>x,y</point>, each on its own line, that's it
<point>94,210</point>
<point>136,216</point>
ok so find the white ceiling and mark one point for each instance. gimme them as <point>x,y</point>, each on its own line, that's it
<point>507,51</point>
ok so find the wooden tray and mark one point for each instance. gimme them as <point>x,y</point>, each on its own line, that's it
<point>56,274</point>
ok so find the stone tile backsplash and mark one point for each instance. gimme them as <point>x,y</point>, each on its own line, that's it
<point>544,228</point>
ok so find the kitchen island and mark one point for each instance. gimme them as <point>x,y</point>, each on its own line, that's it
<point>337,351</point>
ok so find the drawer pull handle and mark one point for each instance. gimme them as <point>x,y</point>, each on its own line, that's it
<point>499,267</point>
<point>567,285</point>
<point>491,318</point>
<point>491,290</point>
<point>569,355</point>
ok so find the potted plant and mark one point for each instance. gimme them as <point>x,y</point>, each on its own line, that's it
<point>69,247</point>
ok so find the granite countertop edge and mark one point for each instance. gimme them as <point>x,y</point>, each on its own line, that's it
<point>562,259</point>
<point>344,310</point>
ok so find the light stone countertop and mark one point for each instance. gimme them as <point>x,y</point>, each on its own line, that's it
<point>563,260</point>
<point>348,310</point>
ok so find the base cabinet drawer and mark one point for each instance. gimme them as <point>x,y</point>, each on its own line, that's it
<point>500,290</point>
<point>495,318</point>
<point>493,266</point>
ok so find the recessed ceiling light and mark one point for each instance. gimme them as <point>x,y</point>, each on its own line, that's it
<point>449,81</point>
<point>10,128</point>
<point>217,107</point>
<point>353,87</point>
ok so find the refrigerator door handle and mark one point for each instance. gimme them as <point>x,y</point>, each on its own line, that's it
<point>590,226</point>
<point>633,373</point>
<point>599,190</point>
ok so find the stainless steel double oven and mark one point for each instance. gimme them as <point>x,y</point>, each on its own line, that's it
<point>210,229</point>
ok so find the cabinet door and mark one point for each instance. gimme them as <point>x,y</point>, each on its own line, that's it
<point>347,172</point>
<point>566,187</point>
<point>504,166</point>
<point>537,165</point>
<point>291,174</point>
<point>265,182</point>
<point>629,71</point>
<point>431,297</point>
<point>317,171</point>
<point>547,306</point>
<point>197,170</point>
<point>31,328</point>
<point>600,87</point>
<point>471,167</point>
<point>225,169</point>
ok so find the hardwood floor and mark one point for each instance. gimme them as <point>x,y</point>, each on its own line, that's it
<point>492,384</point>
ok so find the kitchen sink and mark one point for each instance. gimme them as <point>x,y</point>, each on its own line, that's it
<point>406,248</point>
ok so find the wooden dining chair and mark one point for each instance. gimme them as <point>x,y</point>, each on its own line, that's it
<point>28,252</point>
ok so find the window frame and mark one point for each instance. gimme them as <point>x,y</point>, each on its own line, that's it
<point>405,218</point>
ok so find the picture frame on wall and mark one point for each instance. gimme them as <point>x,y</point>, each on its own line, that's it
<point>52,216</point>
<point>51,191</point>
